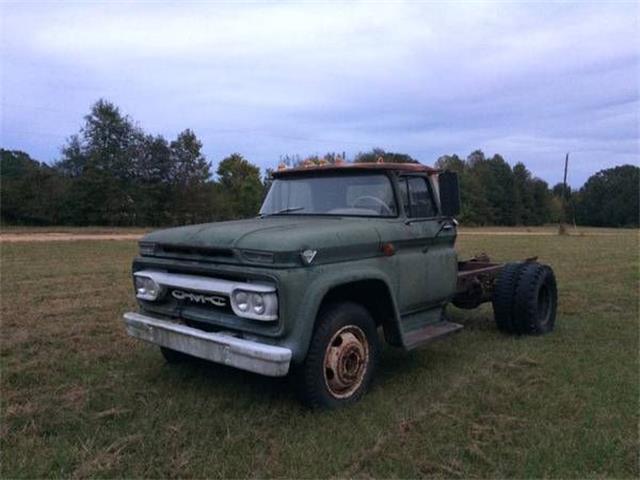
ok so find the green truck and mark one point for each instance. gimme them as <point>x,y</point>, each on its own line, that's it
<point>339,257</point>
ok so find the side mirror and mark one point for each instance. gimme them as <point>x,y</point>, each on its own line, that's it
<point>449,194</point>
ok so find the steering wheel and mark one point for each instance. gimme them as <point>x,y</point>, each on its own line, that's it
<point>375,200</point>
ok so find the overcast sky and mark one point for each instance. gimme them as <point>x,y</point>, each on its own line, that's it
<point>530,81</point>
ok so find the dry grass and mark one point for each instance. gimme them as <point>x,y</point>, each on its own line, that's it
<point>80,399</point>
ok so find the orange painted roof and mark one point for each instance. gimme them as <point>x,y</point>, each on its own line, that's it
<point>402,167</point>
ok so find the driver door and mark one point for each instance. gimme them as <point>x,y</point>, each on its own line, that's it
<point>428,259</point>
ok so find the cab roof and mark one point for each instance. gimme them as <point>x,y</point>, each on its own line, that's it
<point>359,167</point>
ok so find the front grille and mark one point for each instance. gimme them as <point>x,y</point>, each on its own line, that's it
<point>186,299</point>
<point>190,311</point>
<point>191,251</point>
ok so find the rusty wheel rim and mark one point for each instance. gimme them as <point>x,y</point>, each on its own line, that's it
<point>346,361</point>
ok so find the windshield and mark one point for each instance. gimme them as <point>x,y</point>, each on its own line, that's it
<point>358,195</point>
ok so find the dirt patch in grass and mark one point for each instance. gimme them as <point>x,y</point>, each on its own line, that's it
<point>57,237</point>
<point>53,234</point>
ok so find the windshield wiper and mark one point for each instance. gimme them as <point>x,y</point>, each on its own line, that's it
<point>284,210</point>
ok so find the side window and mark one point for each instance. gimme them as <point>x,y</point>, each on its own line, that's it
<point>420,199</point>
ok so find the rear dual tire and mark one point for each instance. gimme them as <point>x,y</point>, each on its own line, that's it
<point>525,299</point>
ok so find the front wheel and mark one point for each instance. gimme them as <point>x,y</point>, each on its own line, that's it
<point>342,357</point>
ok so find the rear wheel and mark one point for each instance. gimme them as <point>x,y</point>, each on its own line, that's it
<point>536,300</point>
<point>503,297</point>
<point>342,357</point>
<point>525,299</point>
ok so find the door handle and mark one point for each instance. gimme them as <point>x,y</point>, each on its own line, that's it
<point>447,226</point>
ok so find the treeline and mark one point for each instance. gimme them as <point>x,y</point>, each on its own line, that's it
<point>494,193</point>
<point>113,173</point>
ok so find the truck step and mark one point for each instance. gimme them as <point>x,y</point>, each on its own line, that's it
<point>420,336</point>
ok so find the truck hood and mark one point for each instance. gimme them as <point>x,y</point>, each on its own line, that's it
<point>279,234</point>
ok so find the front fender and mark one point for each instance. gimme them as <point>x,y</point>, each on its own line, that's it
<point>313,294</point>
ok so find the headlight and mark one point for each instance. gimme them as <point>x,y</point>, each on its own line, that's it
<point>242,300</point>
<point>255,305</point>
<point>147,249</point>
<point>257,302</point>
<point>147,288</point>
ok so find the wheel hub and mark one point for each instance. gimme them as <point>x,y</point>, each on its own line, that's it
<point>346,360</point>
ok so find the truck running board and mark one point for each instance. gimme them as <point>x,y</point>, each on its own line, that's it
<point>420,336</point>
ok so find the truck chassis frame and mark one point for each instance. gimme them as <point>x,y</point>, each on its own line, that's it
<point>477,281</point>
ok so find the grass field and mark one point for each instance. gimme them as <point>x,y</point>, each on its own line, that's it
<point>81,399</point>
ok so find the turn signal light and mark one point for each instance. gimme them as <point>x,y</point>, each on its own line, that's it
<point>388,249</point>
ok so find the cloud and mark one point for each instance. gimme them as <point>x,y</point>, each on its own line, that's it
<point>529,81</point>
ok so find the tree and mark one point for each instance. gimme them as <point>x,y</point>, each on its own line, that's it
<point>559,190</point>
<point>112,173</point>
<point>268,179</point>
<point>31,192</point>
<point>191,174</point>
<point>541,202</point>
<point>154,178</point>
<point>240,183</point>
<point>562,203</point>
<point>493,193</point>
<point>501,190</point>
<point>452,163</point>
<point>190,165</point>
<point>478,184</point>
<point>475,157</point>
<point>378,154</point>
<point>610,198</point>
<point>523,194</point>
<point>489,186</point>
<point>73,158</point>
<point>101,159</point>
<point>474,207</point>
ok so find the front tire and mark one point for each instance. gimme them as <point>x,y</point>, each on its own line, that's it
<point>342,357</point>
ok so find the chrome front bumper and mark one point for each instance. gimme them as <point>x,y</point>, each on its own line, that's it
<point>215,347</point>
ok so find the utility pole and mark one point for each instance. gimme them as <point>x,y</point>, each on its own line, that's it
<point>562,229</point>
<point>566,167</point>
